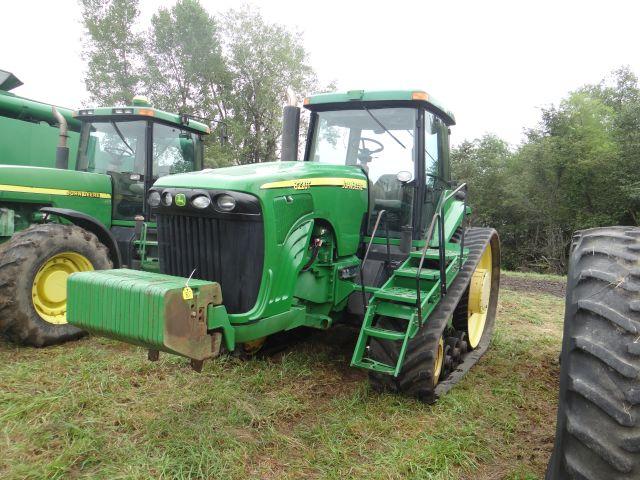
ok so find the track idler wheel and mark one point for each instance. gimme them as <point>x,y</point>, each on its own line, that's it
<point>448,365</point>
<point>454,345</point>
<point>455,348</point>
<point>464,344</point>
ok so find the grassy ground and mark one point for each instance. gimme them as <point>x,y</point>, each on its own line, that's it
<point>98,409</point>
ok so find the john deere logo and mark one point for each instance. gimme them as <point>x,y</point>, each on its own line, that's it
<point>181,200</point>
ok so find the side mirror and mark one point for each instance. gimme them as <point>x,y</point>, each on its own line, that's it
<point>404,176</point>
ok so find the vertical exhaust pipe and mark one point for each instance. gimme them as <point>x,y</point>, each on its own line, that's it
<point>290,129</point>
<point>62,151</point>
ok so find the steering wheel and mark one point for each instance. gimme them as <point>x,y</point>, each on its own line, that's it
<point>364,154</point>
<point>363,140</point>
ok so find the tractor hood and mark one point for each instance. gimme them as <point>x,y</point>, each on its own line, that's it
<point>53,181</point>
<point>86,192</point>
<point>259,176</point>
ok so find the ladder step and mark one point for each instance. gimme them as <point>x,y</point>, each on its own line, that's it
<point>394,310</point>
<point>375,366</point>
<point>398,294</point>
<point>433,254</point>
<point>384,333</point>
<point>425,273</point>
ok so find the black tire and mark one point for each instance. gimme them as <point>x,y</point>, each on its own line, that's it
<point>416,377</point>
<point>598,428</point>
<point>20,260</point>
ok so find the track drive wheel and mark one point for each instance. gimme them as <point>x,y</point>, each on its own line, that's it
<point>34,267</point>
<point>471,313</point>
<point>598,428</point>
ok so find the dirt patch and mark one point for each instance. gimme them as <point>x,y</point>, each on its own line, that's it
<point>556,288</point>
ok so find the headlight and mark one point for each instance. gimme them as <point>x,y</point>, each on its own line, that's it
<point>167,199</point>
<point>201,201</point>
<point>154,199</point>
<point>226,203</point>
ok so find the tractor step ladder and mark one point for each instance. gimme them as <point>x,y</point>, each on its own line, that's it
<point>398,298</point>
<point>395,299</point>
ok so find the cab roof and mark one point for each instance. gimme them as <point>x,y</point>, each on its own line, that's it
<point>88,114</point>
<point>352,96</point>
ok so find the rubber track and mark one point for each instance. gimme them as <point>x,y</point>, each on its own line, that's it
<point>598,429</point>
<point>416,377</point>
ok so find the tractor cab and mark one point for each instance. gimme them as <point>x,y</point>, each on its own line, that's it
<point>135,146</point>
<point>399,139</point>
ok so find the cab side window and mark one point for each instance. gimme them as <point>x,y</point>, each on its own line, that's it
<point>434,143</point>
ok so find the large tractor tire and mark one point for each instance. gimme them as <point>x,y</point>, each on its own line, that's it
<point>439,354</point>
<point>34,266</point>
<point>598,428</point>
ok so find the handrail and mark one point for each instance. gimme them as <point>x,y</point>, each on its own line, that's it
<point>366,254</point>
<point>438,216</point>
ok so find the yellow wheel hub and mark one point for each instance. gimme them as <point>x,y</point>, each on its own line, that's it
<point>253,346</point>
<point>439,362</point>
<point>49,289</point>
<point>479,295</point>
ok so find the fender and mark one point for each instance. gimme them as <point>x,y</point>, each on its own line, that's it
<point>92,225</point>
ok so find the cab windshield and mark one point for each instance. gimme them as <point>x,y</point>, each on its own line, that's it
<point>119,149</point>
<point>381,142</point>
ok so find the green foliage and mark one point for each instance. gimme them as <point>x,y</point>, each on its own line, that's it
<point>112,50</point>
<point>264,60</point>
<point>187,71</point>
<point>233,70</point>
<point>578,169</point>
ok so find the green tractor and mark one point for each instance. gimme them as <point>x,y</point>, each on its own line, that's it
<point>368,227</point>
<point>79,206</point>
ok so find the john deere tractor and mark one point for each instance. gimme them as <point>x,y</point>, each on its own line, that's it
<point>81,205</point>
<point>368,226</point>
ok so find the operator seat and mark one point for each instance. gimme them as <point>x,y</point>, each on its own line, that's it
<point>386,193</point>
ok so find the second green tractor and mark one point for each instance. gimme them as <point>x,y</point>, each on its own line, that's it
<point>367,227</point>
<point>79,206</point>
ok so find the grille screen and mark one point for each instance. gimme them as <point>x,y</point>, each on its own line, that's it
<point>230,252</point>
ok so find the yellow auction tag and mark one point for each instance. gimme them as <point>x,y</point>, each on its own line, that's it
<point>187,293</point>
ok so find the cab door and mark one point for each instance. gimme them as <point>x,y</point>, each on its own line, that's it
<point>436,166</point>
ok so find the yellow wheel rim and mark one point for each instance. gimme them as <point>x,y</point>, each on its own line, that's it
<point>479,296</point>
<point>49,289</point>
<point>437,368</point>
<point>253,346</point>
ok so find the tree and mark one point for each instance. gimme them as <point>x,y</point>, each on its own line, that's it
<point>579,168</point>
<point>187,71</point>
<point>112,49</point>
<point>264,59</point>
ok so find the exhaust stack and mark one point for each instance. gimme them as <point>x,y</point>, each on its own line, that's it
<point>290,129</point>
<point>62,151</point>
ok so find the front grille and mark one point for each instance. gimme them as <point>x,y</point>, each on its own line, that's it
<point>223,250</point>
